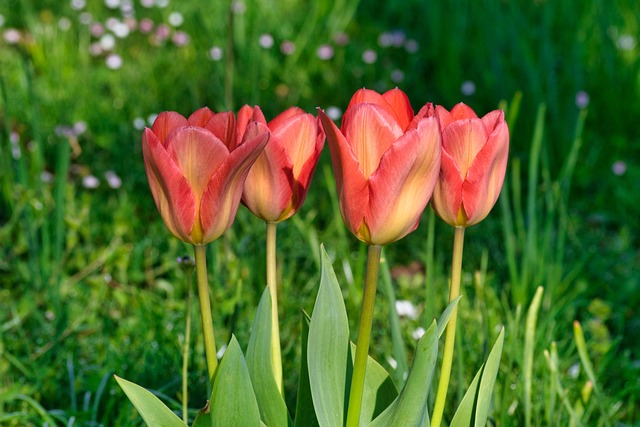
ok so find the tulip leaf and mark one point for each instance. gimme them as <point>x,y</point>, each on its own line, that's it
<point>443,321</point>
<point>409,408</point>
<point>474,407</point>
<point>151,409</point>
<point>273,410</point>
<point>232,398</point>
<point>328,348</point>
<point>305,415</point>
<point>379,389</point>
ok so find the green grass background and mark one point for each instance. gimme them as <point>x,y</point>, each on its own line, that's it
<point>89,283</point>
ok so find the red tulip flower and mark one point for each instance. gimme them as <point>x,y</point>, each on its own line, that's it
<point>196,169</point>
<point>474,162</point>
<point>278,181</point>
<point>386,162</point>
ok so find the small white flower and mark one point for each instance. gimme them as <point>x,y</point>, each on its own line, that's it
<point>113,180</point>
<point>333,112</point>
<point>369,56</point>
<point>418,333</point>
<point>90,182</point>
<point>176,19</point>
<point>266,41</point>
<point>406,309</point>
<point>215,53</point>
<point>139,123</point>
<point>114,61</point>
<point>468,88</point>
<point>107,42</point>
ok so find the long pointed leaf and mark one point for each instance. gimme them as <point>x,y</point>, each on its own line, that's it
<point>232,397</point>
<point>305,415</point>
<point>408,409</point>
<point>151,409</point>
<point>328,349</point>
<point>273,410</point>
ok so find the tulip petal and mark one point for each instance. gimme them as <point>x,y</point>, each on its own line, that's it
<point>198,153</point>
<point>447,194</point>
<point>463,111</point>
<point>463,140</point>
<point>223,125</point>
<point>170,189</point>
<point>165,123</point>
<point>485,176</point>
<point>370,130</point>
<point>400,105</point>
<point>353,191</point>
<point>366,96</point>
<point>222,195</point>
<point>428,110</point>
<point>403,184</point>
<point>200,117</point>
<point>285,116</point>
<point>268,188</point>
<point>297,135</point>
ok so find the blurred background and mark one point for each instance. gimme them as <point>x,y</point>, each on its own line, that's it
<point>89,283</point>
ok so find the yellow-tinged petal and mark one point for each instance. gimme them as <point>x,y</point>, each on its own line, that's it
<point>402,186</point>
<point>222,196</point>
<point>165,123</point>
<point>370,130</point>
<point>463,140</point>
<point>170,189</point>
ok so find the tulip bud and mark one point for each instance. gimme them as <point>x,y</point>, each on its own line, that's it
<point>386,162</point>
<point>196,170</point>
<point>278,181</point>
<point>474,162</point>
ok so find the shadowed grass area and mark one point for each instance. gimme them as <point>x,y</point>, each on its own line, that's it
<point>89,283</point>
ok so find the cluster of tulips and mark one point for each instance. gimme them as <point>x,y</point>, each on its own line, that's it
<point>388,164</point>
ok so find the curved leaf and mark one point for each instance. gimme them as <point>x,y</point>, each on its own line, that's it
<point>305,415</point>
<point>328,348</point>
<point>232,397</point>
<point>151,409</point>
<point>273,410</point>
<point>409,408</point>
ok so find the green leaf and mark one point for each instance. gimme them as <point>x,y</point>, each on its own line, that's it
<point>328,349</point>
<point>232,397</point>
<point>474,407</point>
<point>379,389</point>
<point>151,409</point>
<point>273,410</point>
<point>443,321</point>
<point>305,415</point>
<point>409,408</point>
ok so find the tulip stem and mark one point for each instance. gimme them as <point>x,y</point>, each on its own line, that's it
<point>276,357</point>
<point>185,353</point>
<point>364,334</point>
<point>205,309</point>
<point>450,337</point>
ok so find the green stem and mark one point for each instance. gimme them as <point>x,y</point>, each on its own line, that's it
<point>185,354</point>
<point>276,357</point>
<point>450,337</point>
<point>205,309</point>
<point>364,334</point>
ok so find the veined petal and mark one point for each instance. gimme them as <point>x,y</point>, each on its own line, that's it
<point>245,115</point>
<point>353,191</point>
<point>268,188</point>
<point>400,105</point>
<point>198,153</point>
<point>170,189</point>
<point>284,117</point>
<point>200,117</point>
<point>223,126</point>
<point>485,176</point>
<point>403,184</point>
<point>427,110</point>
<point>370,130</point>
<point>447,194</point>
<point>463,140</point>
<point>222,195</point>
<point>297,135</point>
<point>367,96</point>
<point>492,119</point>
<point>463,111</point>
<point>165,123</point>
